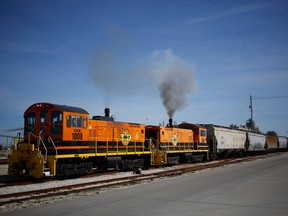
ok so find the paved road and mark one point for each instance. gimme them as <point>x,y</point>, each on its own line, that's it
<point>255,188</point>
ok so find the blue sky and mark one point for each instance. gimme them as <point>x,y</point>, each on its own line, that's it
<point>95,54</point>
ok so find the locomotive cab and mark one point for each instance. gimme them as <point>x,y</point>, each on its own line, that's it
<point>49,129</point>
<point>200,134</point>
<point>55,123</point>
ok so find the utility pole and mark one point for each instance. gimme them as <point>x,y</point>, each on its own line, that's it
<point>251,111</point>
<point>250,123</point>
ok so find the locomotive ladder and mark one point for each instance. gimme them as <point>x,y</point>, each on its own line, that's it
<point>39,142</point>
<point>51,140</point>
<point>47,170</point>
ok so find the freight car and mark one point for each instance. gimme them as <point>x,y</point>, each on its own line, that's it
<point>256,142</point>
<point>224,141</point>
<point>271,141</point>
<point>63,140</point>
<point>266,143</point>
<point>282,143</point>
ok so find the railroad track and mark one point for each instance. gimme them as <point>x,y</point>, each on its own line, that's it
<point>16,197</point>
<point>10,181</point>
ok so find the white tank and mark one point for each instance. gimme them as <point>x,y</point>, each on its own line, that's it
<point>256,142</point>
<point>282,142</point>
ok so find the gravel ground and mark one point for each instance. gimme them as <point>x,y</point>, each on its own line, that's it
<point>3,169</point>
<point>67,182</point>
<point>59,183</point>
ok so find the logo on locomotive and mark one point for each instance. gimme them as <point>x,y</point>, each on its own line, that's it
<point>125,137</point>
<point>174,139</point>
<point>137,136</point>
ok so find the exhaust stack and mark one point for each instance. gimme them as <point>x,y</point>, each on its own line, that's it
<point>170,124</point>
<point>107,112</point>
<point>106,116</point>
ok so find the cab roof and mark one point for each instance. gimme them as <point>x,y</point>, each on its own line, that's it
<point>62,108</point>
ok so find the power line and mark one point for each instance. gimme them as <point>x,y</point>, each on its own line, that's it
<point>251,121</point>
<point>11,130</point>
<point>7,136</point>
<point>269,97</point>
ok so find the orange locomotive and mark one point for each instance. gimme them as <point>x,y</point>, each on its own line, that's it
<point>181,143</point>
<point>63,140</point>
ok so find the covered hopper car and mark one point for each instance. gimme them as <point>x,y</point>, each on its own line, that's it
<point>256,142</point>
<point>224,141</point>
<point>282,143</point>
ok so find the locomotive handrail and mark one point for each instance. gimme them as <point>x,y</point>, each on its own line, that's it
<point>40,139</point>
<point>16,140</point>
<point>180,146</point>
<point>30,133</point>
<point>168,146</point>
<point>51,140</point>
<point>157,142</point>
<point>151,144</point>
<point>132,146</point>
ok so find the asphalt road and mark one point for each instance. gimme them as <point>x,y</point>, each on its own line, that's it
<point>251,188</point>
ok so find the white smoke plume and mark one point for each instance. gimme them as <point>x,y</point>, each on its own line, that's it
<point>106,65</point>
<point>113,67</point>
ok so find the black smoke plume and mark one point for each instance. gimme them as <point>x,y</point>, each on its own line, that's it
<point>175,79</point>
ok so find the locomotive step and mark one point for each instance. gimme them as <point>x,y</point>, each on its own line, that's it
<point>47,172</point>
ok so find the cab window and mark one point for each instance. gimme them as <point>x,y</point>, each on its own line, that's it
<point>43,116</point>
<point>85,122</point>
<point>30,121</point>
<point>202,133</point>
<point>77,121</point>
<point>56,117</point>
<point>30,118</point>
<point>68,121</point>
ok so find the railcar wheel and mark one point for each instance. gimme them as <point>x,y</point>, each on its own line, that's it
<point>213,157</point>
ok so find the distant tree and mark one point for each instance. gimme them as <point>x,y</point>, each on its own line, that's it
<point>257,130</point>
<point>250,124</point>
<point>272,133</point>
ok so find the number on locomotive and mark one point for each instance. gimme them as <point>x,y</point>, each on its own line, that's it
<point>77,136</point>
